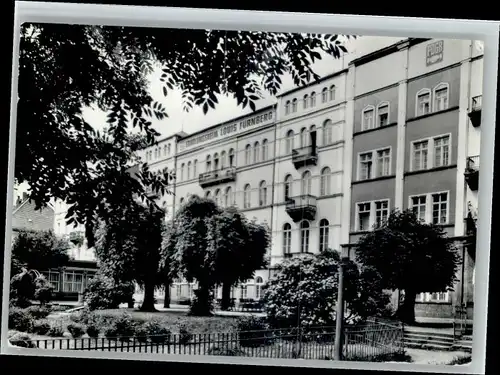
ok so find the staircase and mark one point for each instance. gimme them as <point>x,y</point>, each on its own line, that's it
<point>439,340</point>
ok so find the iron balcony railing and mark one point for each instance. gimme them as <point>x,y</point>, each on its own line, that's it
<point>218,175</point>
<point>301,201</point>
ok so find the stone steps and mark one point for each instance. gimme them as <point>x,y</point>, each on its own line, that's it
<point>432,340</point>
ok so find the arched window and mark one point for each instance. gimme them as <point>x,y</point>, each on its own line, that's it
<point>303,137</point>
<point>182,172</point>
<point>288,186</point>
<point>327,132</point>
<point>306,101</point>
<point>304,236</point>
<point>324,95</point>
<point>150,155</point>
<point>256,152</point>
<point>294,105</point>
<point>287,107</point>
<point>287,238</point>
<point>324,228</point>
<point>231,157</point>
<point>423,102</point>
<point>195,167</point>
<point>332,92</point>
<point>441,97</point>
<point>383,114</point>
<point>217,197</point>
<point>208,194</point>
<point>313,99</point>
<point>189,170</point>
<point>248,154</point>
<point>326,182</point>
<point>209,164</point>
<point>312,134</point>
<point>367,118</point>
<point>262,193</point>
<point>265,150</point>
<point>306,183</point>
<point>165,150</point>
<point>289,141</point>
<point>258,287</point>
<point>216,161</point>
<point>156,153</point>
<point>169,148</point>
<point>222,159</point>
<point>228,197</point>
<point>246,196</point>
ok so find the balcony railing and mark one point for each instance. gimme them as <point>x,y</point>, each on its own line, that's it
<point>472,172</point>
<point>297,254</point>
<point>475,112</point>
<point>217,177</point>
<point>302,207</point>
<point>304,156</point>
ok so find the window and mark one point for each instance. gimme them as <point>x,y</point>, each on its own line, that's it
<point>423,102</point>
<point>420,153</point>
<point>258,287</point>
<point>195,167</point>
<point>182,172</point>
<point>327,132</point>
<point>288,186</point>
<point>217,197</point>
<point>228,197</point>
<point>165,150</point>
<point>73,282</point>
<point>156,153</point>
<point>209,164</point>
<point>289,141</point>
<point>287,238</point>
<point>53,278</point>
<point>323,235</point>
<point>181,201</point>
<point>256,152</point>
<point>216,161</point>
<point>265,150</point>
<point>244,291</point>
<point>208,194</point>
<point>178,290</point>
<point>313,99</point>
<point>441,97</point>
<point>381,213</point>
<point>432,297</point>
<point>304,237</point>
<point>326,182</point>
<point>189,171</point>
<point>367,118</point>
<point>418,206</point>
<point>365,166</point>
<point>231,157</point>
<point>441,151</point>
<point>383,167</point>
<point>294,105</point>
<point>324,95</point>
<point>303,137</point>
<point>222,159</point>
<point>306,183</point>
<point>332,92</point>
<point>440,208</point>
<point>246,196</point>
<point>169,148</point>
<point>287,107</point>
<point>383,114</point>
<point>248,154</point>
<point>306,101</point>
<point>262,193</point>
<point>363,216</point>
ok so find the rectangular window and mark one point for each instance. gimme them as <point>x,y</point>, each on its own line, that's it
<point>420,153</point>
<point>381,212</point>
<point>440,208</point>
<point>73,282</point>
<point>442,151</point>
<point>367,119</point>
<point>383,115</point>
<point>418,205</point>
<point>244,292</point>
<point>365,166</point>
<point>383,162</point>
<point>424,104</point>
<point>441,99</point>
<point>363,216</point>
<point>53,278</point>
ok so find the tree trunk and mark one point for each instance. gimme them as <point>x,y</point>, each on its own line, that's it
<point>148,304</point>
<point>202,303</point>
<point>406,311</point>
<point>225,303</point>
<point>166,302</point>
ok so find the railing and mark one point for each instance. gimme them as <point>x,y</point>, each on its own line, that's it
<point>477,102</point>
<point>365,343</point>
<point>216,175</point>
<point>301,201</point>
<point>473,163</point>
<point>302,152</point>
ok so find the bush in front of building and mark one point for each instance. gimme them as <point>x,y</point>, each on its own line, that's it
<point>156,331</point>
<point>20,320</point>
<point>38,312</point>
<point>43,290</point>
<point>56,330</point>
<point>22,340</point>
<point>41,327</point>
<point>122,327</point>
<point>93,330</point>
<point>76,330</point>
<point>253,332</point>
<point>104,293</point>
<point>185,336</point>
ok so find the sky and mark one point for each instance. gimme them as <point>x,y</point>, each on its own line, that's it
<point>227,108</point>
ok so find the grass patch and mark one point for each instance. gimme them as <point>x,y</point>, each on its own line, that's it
<point>460,360</point>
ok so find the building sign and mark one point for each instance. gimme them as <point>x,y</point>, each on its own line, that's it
<point>227,130</point>
<point>434,52</point>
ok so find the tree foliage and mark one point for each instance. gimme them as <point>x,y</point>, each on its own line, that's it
<point>40,250</point>
<point>410,255</point>
<point>128,248</point>
<point>64,68</point>
<point>103,292</point>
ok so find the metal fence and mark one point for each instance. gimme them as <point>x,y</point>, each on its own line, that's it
<point>371,341</point>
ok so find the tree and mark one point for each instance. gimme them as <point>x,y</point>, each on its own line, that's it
<point>411,256</point>
<point>128,248</point>
<point>39,250</point>
<point>64,68</point>
<point>43,290</point>
<point>103,292</point>
<point>213,246</point>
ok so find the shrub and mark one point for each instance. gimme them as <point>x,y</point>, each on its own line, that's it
<point>22,340</point>
<point>38,312</point>
<point>123,327</point>
<point>41,328</point>
<point>76,330</point>
<point>158,333</point>
<point>104,293</point>
<point>460,360</point>
<point>20,320</point>
<point>228,352</point>
<point>184,335</point>
<point>93,330</point>
<point>22,289</point>
<point>43,290</point>
<point>253,332</point>
<point>141,333</point>
<point>56,331</point>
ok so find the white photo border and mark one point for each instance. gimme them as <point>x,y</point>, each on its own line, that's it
<point>189,18</point>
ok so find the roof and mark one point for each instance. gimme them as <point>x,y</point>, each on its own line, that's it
<point>313,82</point>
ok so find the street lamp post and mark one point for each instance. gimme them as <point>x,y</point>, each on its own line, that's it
<point>339,327</point>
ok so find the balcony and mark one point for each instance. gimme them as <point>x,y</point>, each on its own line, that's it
<point>304,156</point>
<point>472,172</point>
<point>217,177</point>
<point>297,254</point>
<point>475,112</point>
<point>302,207</point>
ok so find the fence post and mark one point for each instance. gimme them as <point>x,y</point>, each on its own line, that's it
<point>339,327</point>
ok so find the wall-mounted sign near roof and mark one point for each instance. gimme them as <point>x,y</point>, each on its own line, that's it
<point>237,126</point>
<point>434,52</point>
